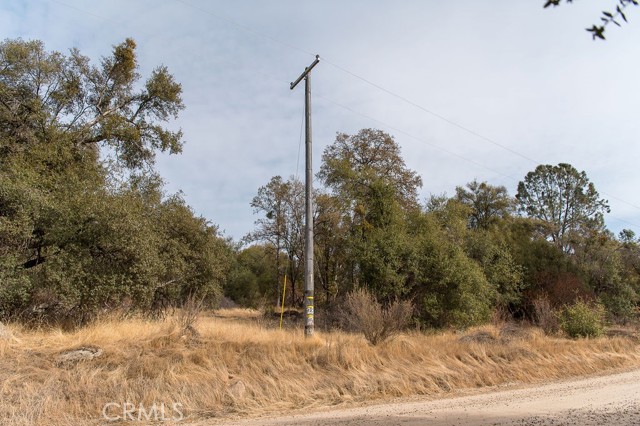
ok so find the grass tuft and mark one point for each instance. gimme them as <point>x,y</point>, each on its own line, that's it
<point>236,366</point>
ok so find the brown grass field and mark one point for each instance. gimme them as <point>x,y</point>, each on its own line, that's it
<point>239,365</point>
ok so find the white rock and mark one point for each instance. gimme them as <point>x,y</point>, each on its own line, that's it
<point>80,354</point>
<point>4,332</point>
<point>237,390</point>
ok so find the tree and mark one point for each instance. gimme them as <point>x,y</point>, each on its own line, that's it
<point>381,244</point>
<point>501,270</point>
<point>448,288</point>
<point>629,249</point>
<point>597,31</point>
<point>548,272</point>
<point>331,252</point>
<point>353,163</point>
<point>377,192</point>
<point>599,257</point>
<point>282,203</point>
<point>488,203</point>
<point>271,228</point>
<point>79,235</point>
<point>194,258</point>
<point>565,200</point>
<point>46,95</point>
<point>252,275</point>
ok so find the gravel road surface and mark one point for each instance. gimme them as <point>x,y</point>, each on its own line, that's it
<point>605,400</point>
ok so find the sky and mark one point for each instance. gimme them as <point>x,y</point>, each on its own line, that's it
<point>471,89</point>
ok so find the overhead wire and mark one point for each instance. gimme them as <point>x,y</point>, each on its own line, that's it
<point>83,11</point>
<point>428,111</point>
<point>455,124</point>
<point>421,140</point>
<point>416,138</point>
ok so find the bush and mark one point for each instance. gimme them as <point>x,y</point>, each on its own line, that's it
<point>545,316</point>
<point>451,288</point>
<point>189,314</point>
<point>366,315</point>
<point>620,301</point>
<point>583,319</point>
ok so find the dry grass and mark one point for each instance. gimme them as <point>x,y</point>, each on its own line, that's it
<point>238,313</point>
<point>378,323</point>
<point>241,368</point>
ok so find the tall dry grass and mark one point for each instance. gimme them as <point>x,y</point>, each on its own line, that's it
<point>244,368</point>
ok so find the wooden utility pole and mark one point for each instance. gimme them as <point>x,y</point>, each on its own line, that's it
<point>308,217</point>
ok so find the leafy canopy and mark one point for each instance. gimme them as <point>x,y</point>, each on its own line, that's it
<point>565,200</point>
<point>47,95</point>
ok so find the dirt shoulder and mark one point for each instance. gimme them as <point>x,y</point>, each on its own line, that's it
<point>604,400</point>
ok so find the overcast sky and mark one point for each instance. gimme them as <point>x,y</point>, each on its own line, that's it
<point>528,84</point>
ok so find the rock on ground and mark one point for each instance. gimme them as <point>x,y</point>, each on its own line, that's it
<point>80,354</point>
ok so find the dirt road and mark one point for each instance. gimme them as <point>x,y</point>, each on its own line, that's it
<point>607,400</point>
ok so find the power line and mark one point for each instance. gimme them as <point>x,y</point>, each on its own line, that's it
<point>83,11</point>
<point>377,86</point>
<point>421,140</point>
<point>455,124</point>
<point>620,200</point>
<point>624,221</point>
<point>396,129</point>
<point>373,119</point>
<point>435,114</point>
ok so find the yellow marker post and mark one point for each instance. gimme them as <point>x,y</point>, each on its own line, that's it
<point>284,289</point>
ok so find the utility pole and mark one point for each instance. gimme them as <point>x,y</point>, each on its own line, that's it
<point>308,204</point>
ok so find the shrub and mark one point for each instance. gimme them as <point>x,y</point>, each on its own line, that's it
<point>583,319</point>
<point>189,314</point>
<point>620,301</point>
<point>366,315</point>
<point>545,316</point>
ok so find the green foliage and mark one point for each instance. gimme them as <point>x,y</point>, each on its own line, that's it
<point>381,245</point>
<point>583,319</point>
<point>331,248</point>
<point>79,236</point>
<point>621,302</point>
<point>488,203</point>
<point>15,286</point>
<point>599,257</point>
<point>565,200</point>
<point>451,216</point>
<point>460,258</point>
<point>629,263</point>
<point>450,287</point>
<point>353,162</point>
<point>376,194</point>
<point>465,256</point>
<point>45,94</point>
<point>194,259</point>
<point>252,276</point>
<point>500,268</point>
<point>282,203</point>
<point>547,271</point>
